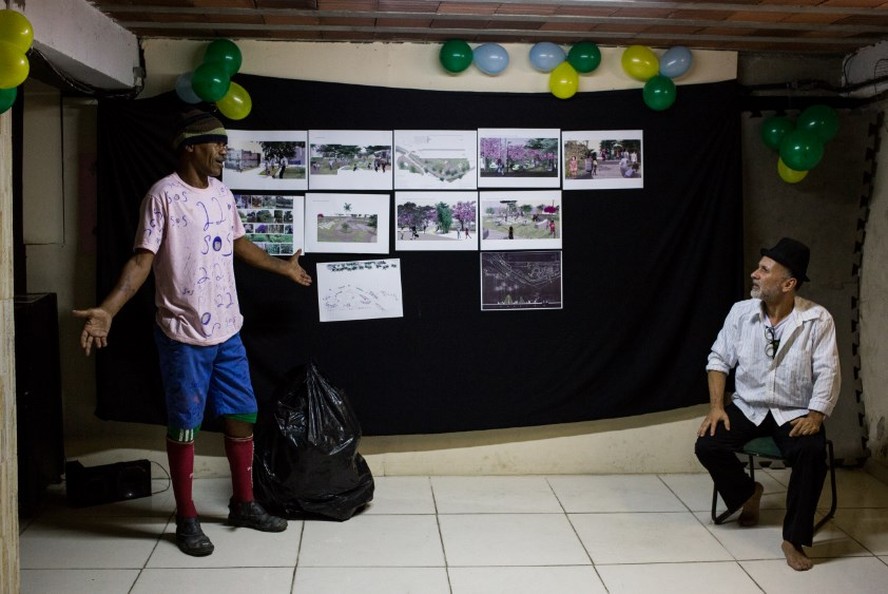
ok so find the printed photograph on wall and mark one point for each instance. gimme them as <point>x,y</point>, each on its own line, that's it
<point>436,160</point>
<point>273,222</point>
<point>521,220</point>
<point>436,221</point>
<point>602,159</point>
<point>521,280</point>
<point>347,223</point>
<point>266,160</point>
<point>519,157</point>
<point>363,290</point>
<point>350,159</point>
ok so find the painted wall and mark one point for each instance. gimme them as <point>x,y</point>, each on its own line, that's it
<point>874,313</point>
<point>660,442</point>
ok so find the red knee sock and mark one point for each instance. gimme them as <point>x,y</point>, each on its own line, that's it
<point>181,459</point>
<point>239,451</point>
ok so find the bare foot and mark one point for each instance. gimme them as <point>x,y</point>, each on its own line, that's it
<point>749,514</point>
<point>796,557</point>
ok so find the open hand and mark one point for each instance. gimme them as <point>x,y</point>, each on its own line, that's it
<point>96,329</point>
<point>711,421</point>
<point>297,272</point>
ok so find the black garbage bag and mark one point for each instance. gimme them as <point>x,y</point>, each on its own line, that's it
<point>306,458</point>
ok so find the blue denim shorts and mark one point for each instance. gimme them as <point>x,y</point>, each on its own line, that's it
<point>215,379</point>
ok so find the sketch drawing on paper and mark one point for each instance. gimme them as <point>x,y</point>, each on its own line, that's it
<point>360,290</point>
<point>435,159</point>
<point>521,280</point>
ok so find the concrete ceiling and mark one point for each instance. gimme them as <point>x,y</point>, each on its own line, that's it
<point>832,27</point>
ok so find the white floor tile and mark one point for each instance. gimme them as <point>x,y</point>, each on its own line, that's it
<point>211,497</point>
<point>401,495</point>
<point>615,493</point>
<point>525,580</point>
<point>678,578</point>
<point>464,535</point>
<point>510,539</point>
<point>234,547</point>
<point>763,541</point>
<point>236,580</point>
<point>373,541</point>
<point>857,488</point>
<point>494,494</point>
<point>869,527</point>
<point>78,581</point>
<point>860,575</point>
<point>694,490</point>
<point>84,543</point>
<point>647,538</point>
<point>371,580</point>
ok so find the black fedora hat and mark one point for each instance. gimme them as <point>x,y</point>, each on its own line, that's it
<point>792,254</point>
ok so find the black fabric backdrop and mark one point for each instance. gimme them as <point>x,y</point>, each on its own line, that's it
<point>648,274</point>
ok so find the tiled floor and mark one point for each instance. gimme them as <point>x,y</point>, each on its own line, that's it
<point>461,535</point>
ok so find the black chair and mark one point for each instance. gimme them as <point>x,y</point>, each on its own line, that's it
<point>764,447</point>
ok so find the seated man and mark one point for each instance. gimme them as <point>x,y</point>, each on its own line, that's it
<point>787,381</point>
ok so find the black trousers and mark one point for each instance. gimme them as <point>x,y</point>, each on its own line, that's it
<point>806,454</point>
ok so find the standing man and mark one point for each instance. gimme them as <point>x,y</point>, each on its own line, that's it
<point>787,382</point>
<point>189,232</point>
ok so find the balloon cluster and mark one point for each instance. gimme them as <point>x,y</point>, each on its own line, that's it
<point>457,55</point>
<point>16,37</point>
<point>211,81</point>
<point>800,144</point>
<point>565,68</point>
<point>491,58</point>
<point>641,63</point>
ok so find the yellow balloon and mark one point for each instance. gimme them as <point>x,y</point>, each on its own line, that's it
<point>236,103</point>
<point>15,29</point>
<point>14,66</point>
<point>640,62</point>
<point>790,176</point>
<point>564,81</point>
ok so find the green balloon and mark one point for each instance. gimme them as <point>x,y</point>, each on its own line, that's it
<point>584,56</point>
<point>659,92</point>
<point>210,81</point>
<point>455,55</point>
<point>774,129</point>
<point>7,98</point>
<point>226,53</point>
<point>801,150</point>
<point>821,120</point>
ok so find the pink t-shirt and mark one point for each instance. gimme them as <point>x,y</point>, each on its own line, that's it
<point>191,232</point>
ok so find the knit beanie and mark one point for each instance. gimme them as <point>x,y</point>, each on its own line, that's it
<point>197,127</point>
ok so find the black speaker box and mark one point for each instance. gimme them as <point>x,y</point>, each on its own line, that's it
<point>106,484</point>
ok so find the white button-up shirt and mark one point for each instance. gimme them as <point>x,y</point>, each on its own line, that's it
<point>804,373</point>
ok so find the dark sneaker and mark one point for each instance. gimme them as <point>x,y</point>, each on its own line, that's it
<point>191,538</point>
<point>249,514</point>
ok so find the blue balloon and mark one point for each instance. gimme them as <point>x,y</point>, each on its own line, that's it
<point>545,56</point>
<point>676,61</point>
<point>184,90</point>
<point>490,58</point>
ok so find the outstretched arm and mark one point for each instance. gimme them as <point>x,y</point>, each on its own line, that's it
<point>98,319</point>
<point>255,256</point>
